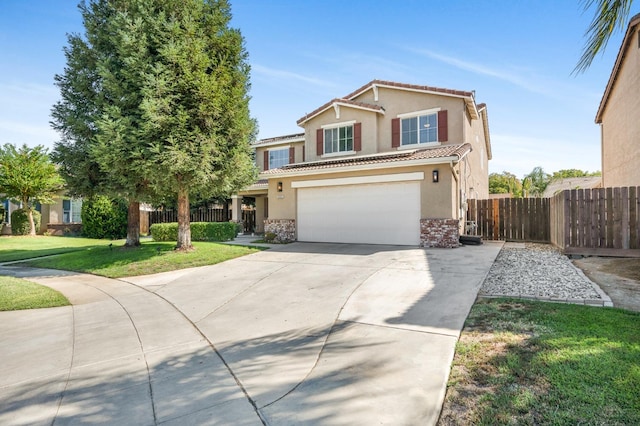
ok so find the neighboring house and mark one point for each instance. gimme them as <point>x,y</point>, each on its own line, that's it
<point>619,114</point>
<point>60,218</point>
<point>556,186</point>
<point>63,217</point>
<point>390,163</point>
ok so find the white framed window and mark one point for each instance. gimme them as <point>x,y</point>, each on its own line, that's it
<point>419,129</point>
<point>6,216</point>
<point>338,139</point>
<point>71,211</point>
<point>278,158</point>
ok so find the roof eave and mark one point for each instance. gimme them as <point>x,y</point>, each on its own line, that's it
<point>330,105</point>
<point>363,167</point>
<point>635,20</point>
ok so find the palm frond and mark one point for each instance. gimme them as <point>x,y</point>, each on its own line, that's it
<point>610,15</point>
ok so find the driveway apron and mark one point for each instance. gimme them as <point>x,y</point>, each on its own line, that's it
<point>305,333</point>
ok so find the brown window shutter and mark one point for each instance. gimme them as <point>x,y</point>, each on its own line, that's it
<point>266,160</point>
<point>357,137</point>
<point>292,155</point>
<point>303,153</point>
<point>319,142</point>
<point>443,130</point>
<point>395,133</point>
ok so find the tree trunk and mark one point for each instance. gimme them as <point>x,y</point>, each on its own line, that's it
<point>32,225</point>
<point>133,224</point>
<point>184,225</point>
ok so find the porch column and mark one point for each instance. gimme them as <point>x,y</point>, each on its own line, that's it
<point>236,208</point>
<point>260,213</point>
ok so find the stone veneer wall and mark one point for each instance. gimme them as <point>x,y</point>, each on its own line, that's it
<point>285,229</point>
<point>442,233</point>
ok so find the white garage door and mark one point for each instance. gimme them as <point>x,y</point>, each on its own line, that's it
<point>381,213</point>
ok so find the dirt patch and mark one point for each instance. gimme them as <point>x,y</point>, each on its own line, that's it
<point>619,278</point>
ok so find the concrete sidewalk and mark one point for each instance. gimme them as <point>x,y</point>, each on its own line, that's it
<point>299,334</point>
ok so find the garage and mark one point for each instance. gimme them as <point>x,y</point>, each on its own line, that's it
<point>369,213</point>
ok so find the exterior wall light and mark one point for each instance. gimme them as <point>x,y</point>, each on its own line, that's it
<point>436,176</point>
<point>279,186</point>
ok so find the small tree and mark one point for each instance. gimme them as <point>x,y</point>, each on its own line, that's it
<point>27,175</point>
<point>505,183</point>
<point>535,182</point>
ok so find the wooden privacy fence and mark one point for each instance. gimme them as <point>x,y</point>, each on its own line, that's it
<point>597,221</point>
<point>197,215</point>
<point>513,219</point>
<point>580,221</point>
<point>204,215</point>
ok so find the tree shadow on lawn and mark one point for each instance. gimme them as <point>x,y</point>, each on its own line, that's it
<point>518,371</point>
<point>96,258</point>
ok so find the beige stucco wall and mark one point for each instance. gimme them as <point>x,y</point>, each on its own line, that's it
<point>376,127</point>
<point>437,199</point>
<point>54,214</point>
<point>621,124</point>
<point>369,120</point>
<point>475,167</point>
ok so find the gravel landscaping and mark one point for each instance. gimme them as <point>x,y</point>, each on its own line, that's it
<point>539,271</point>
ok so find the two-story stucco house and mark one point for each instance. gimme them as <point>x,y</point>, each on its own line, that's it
<point>619,114</point>
<point>390,163</point>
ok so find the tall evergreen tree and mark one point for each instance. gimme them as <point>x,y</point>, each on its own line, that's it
<point>168,112</point>
<point>196,108</point>
<point>86,95</point>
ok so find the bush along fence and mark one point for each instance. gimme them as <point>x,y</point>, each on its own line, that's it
<point>603,221</point>
<point>200,231</point>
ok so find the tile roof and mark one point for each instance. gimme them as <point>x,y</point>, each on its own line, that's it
<point>443,151</point>
<point>408,86</point>
<point>633,22</point>
<point>285,138</point>
<point>340,101</point>
<point>383,83</point>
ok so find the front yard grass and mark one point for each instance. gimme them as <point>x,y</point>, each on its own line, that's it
<point>19,247</point>
<point>150,258</point>
<point>525,363</point>
<point>16,294</point>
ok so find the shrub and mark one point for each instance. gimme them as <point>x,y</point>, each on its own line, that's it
<point>103,217</point>
<point>200,231</point>
<point>20,221</point>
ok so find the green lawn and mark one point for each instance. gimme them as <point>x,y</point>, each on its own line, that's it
<point>525,363</point>
<point>18,248</point>
<point>16,293</point>
<point>149,258</point>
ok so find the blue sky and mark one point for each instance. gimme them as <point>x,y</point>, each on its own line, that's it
<point>516,55</point>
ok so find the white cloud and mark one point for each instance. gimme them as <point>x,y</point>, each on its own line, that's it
<point>517,79</point>
<point>287,76</point>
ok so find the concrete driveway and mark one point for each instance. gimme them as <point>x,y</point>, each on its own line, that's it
<point>300,334</point>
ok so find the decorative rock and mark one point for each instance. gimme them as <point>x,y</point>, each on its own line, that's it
<point>541,272</point>
<point>443,233</point>
<point>284,229</point>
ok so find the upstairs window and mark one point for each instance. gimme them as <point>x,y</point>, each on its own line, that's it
<point>420,129</point>
<point>338,139</point>
<point>278,158</point>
